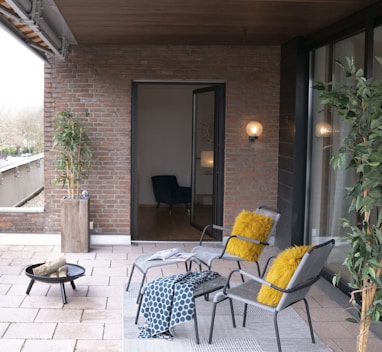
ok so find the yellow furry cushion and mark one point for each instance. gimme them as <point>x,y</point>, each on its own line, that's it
<point>251,225</point>
<point>280,274</point>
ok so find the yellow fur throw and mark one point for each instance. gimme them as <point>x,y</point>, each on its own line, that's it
<point>280,274</point>
<point>251,225</point>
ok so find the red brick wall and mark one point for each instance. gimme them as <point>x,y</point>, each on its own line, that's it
<point>99,78</point>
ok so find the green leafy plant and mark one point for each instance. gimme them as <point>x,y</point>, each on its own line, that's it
<point>358,101</point>
<point>74,156</point>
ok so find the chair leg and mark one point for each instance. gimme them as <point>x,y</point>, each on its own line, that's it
<point>239,266</point>
<point>196,327</point>
<point>232,313</point>
<point>131,275</point>
<point>140,287</point>
<point>245,314</point>
<point>309,320</point>
<point>140,299</point>
<point>212,323</point>
<point>213,318</point>
<point>277,331</point>
<point>258,268</point>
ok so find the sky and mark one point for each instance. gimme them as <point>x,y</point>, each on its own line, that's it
<point>21,76</point>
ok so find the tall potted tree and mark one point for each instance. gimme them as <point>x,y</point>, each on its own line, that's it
<point>72,164</point>
<point>359,102</point>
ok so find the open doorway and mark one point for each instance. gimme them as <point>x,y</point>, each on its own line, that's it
<point>171,126</point>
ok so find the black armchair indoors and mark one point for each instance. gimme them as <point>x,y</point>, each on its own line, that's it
<point>167,190</point>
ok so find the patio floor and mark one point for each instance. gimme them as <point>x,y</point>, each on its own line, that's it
<point>92,319</point>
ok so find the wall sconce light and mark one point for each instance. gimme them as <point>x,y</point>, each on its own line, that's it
<point>254,130</point>
<point>323,129</point>
<point>207,158</point>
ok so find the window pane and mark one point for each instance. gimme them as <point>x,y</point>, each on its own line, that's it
<point>377,68</point>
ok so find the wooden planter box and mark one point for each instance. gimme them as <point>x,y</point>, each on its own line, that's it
<point>75,225</point>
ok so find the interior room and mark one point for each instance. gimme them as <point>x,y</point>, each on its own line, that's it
<point>167,137</point>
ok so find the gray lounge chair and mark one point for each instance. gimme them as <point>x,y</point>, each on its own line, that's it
<point>306,274</point>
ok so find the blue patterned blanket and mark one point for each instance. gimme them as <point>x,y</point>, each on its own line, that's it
<point>169,301</point>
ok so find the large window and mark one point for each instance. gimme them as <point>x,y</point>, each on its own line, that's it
<point>327,197</point>
<point>21,126</point>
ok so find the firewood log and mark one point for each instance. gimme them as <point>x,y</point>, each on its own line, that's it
<point>49,267</point>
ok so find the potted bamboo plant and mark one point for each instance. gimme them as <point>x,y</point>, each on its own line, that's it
<point>72,164</point>
<point>359,102</point>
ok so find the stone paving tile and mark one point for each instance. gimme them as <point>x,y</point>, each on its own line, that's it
<point>12,345</point>
<point>115,302</point>
<point>38,289</point>
<point>42,302</point>
<point>112,256</point>
<point>49,345</point>
<point>5,261</point>
<point>86,303</point>
<point>59,315</point>
<point>91,280</point>
<point>80,331</point>
<point>14,279</point>
<point>113,331</point>
<point>80,291</point>
<point>6,269</point>
<point>11,301</point>
<point>102,316</point>
<point>94,263</point>
<point>3,328</point>
<point>104,291</point>
<point>99,346</point>
<point>119,271</point>
<point>4,288</point>
<point>118,281</point>
<point>30,331</point>
<point>13,315</point>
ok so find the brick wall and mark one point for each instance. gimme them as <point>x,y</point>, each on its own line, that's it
<point>99,78</point>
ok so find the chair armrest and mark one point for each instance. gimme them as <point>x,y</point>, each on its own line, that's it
<point>246,274</point>
<point>215,227</point>
<point>250,240</point>
<point>261,281</point>
<point>243,239</point>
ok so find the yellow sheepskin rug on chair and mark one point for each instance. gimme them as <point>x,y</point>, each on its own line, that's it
<point>280,274</point>
<point>251,225</point>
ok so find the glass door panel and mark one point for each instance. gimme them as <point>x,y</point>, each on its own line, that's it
<point>203,155</point>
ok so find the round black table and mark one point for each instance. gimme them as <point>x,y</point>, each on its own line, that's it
<point>74,272</point>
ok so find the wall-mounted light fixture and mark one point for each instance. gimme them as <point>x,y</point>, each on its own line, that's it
<point>207,158</point>
<point>323,129</point>
<point>254,130</point>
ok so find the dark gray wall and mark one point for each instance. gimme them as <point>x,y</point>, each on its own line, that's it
<point>292,142</point>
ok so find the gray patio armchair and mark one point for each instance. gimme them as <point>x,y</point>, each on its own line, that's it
<point>295,273</point>
<point>244,235</point>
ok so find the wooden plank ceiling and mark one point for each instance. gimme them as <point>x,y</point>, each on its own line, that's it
<point>263,22</point>
<point>191,22</point>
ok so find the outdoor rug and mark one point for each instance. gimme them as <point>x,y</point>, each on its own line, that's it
<point>257,336</point>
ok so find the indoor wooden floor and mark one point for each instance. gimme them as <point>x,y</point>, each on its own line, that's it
<point>157,224</point>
